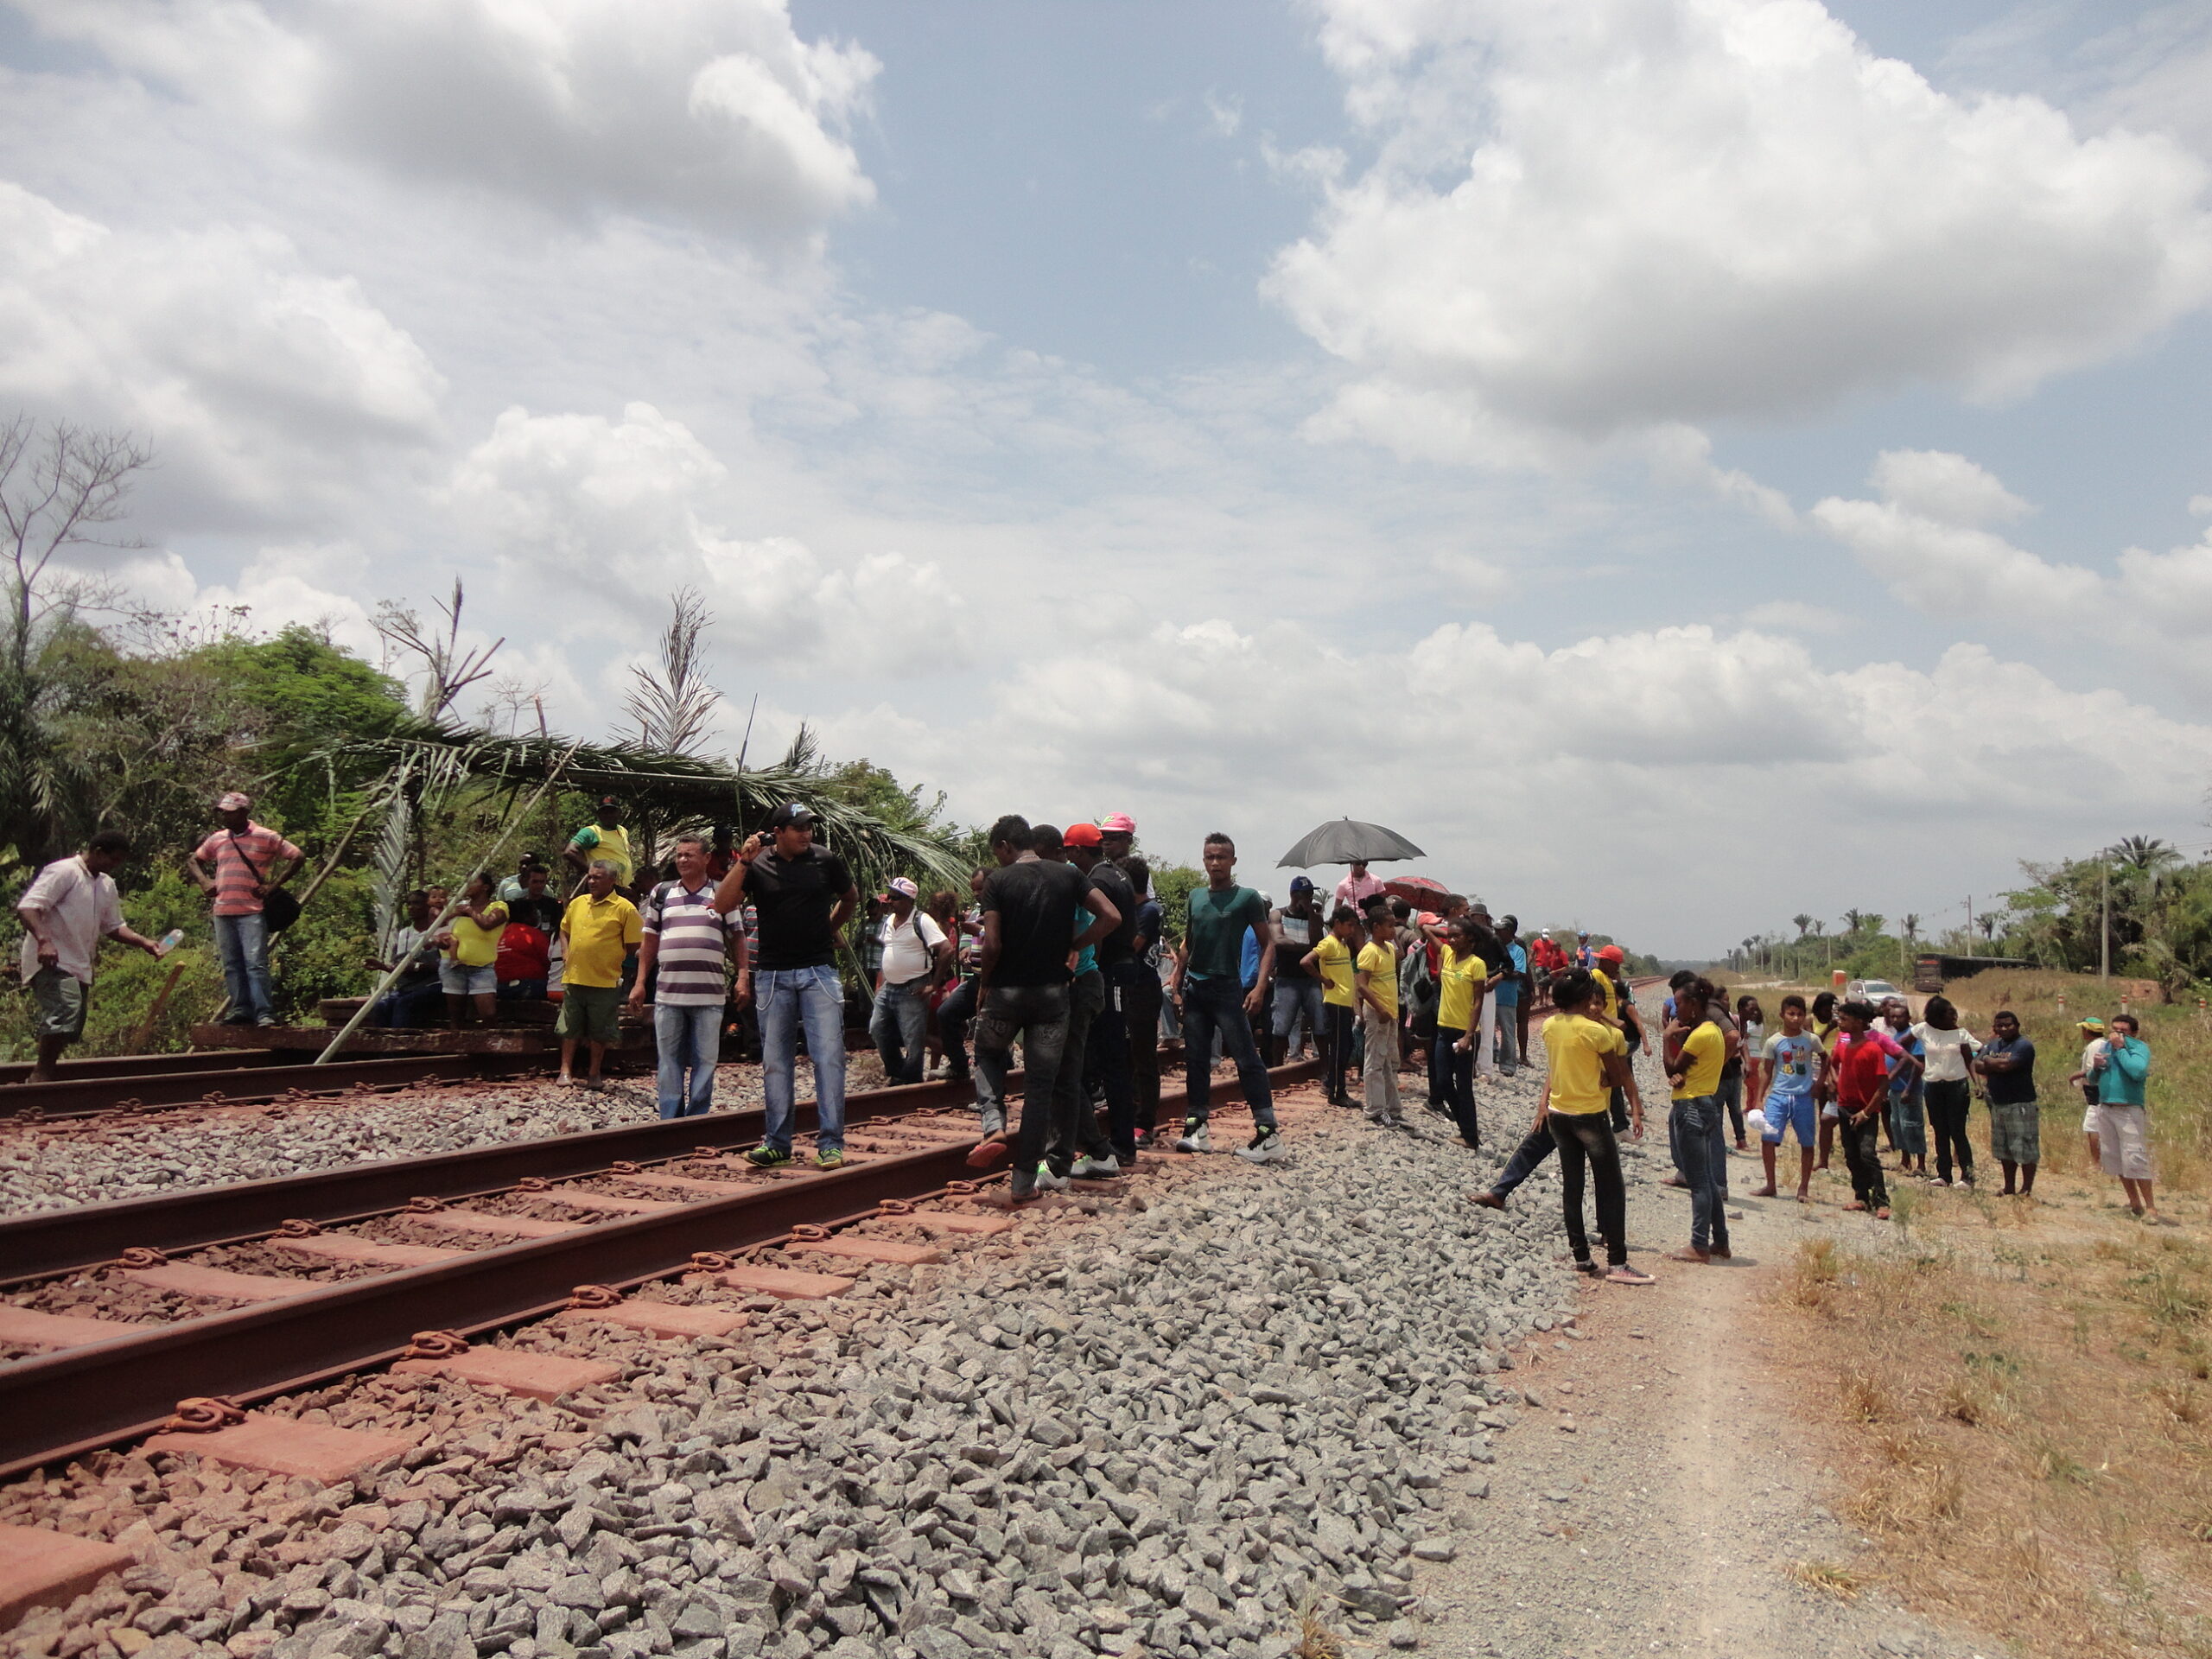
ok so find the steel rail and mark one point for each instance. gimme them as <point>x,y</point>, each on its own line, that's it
<point>74,1098</point>
<point>42,1244</point>
<point>61,1405</point>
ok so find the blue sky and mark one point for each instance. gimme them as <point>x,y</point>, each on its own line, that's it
<point>1580,435</point>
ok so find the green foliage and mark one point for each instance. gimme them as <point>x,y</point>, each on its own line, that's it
<point>1173,885</point>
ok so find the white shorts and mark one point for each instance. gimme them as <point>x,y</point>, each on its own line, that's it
<point>2124,1141</point>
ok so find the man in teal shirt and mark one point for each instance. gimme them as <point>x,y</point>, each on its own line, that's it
<point>1208,991</point>
<point>2123,1124</point>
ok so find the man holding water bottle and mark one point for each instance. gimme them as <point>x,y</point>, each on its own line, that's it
<point>69,909</point>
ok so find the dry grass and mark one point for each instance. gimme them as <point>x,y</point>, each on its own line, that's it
<point>1838,1581</point>
<point>1312,1637</point>
<point>2024,1423</point>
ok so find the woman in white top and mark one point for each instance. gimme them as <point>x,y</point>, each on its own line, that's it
<point>1945,1050</point>
<point>1751,1023</point>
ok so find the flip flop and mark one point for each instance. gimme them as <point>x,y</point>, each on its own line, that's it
<point>987,1153</point>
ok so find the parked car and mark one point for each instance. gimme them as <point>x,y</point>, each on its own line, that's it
<point>1872,990</point>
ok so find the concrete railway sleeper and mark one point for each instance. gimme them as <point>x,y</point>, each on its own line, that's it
<point>122,1385</point>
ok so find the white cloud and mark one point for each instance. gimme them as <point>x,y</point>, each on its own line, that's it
<point>620,514</point>
<point>1606,218</point>
<point>301,584</point>
<point>1794,616</point>
<point>714,110</point>
<point>1469,740</point>
<point>262,385</point>
<point>1925,539</point>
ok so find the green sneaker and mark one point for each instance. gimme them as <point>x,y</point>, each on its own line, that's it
<point>764,1156</point>
<point>832,1158</point>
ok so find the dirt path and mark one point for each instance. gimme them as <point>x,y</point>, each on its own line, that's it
<point>1658,1494</point>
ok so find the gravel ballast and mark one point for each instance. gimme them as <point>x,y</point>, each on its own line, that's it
<point>1167,1428</point>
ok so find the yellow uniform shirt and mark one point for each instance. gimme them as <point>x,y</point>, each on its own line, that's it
<point>1827,1034</point>
<point>478,947</point>
<point>1459,989</point>
<point>597,929</point>
<point>1703,1052</point>
<point>1379,963</point>
<point>1578,1046</point>
<point>1335,956</point>
<point>598,841</point>
<point>1607,990</point>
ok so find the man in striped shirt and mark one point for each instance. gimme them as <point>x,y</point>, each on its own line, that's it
<point>691,944</point>
<point>249,861</point>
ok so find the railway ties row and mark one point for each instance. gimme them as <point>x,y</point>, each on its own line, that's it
<point>420,1278</point>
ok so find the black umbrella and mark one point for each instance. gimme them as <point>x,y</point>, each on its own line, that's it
<point>1347,840</point>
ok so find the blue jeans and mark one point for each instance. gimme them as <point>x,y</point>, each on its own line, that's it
<point>1294,997</point>
<point>1508,1037</point>
<point>1037,1014</point>
<point>687,1037</point>
<point>1536,1146</point>
<point>1701,1152</point>
<point>242,941</point>
<point>786,996</point>
<point>1211,1006</point>
<point>900,1024</point>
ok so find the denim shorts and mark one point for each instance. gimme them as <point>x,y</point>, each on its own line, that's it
<point>1789,1111</point>
<point>458,979</point>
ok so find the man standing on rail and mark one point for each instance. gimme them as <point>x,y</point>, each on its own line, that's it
<point>69,909</point>
<point>1029,933</point>
<point>598,933</point>
<point>251,861</point>
<point>692,944</point>
<point>804,895</point>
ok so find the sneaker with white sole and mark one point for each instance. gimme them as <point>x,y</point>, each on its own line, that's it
<point>1194,1138</point>
<point>1096,1169</point>
<point>1048,1182</point>
<point>1266,1146</point>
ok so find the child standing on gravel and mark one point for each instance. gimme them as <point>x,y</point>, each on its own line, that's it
<point>1376,982</point>
<point>1859,1072</point>
<point>1792,1059</point>
<point>1333,959</point>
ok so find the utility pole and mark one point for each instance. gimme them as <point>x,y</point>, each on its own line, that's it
<point>1969,924</point>
<point>2104,923</point>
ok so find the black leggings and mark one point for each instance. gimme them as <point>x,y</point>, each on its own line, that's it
<point>1336,1034</point>
<point>1862,1156</point>
<point>1587,1137</point>
<point>1454,1078</point>
<point>1947,1123</point>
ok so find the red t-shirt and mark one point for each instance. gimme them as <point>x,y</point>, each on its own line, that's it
<point>525,952</point>
<point>1862,1070</point>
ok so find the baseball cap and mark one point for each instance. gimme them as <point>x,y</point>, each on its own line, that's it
<point>1612,953</point>
<point>1080,834</point>
<point>2091,1024</point>
<point>233,801</point>
<point>1300,884</point>
<point>900,884</point>
<point>791,813</point>
<point>1118,824</point>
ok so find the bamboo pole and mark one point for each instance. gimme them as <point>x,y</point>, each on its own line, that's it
<point>391,975</point>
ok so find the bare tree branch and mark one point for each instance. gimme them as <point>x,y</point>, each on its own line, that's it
<point>448,669</point>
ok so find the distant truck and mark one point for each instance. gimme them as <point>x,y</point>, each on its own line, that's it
<point>1930,971</point>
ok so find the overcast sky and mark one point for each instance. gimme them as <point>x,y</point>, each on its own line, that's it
<point>1682,461</point>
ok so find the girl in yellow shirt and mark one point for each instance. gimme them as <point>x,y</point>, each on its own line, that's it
<point>1334,959</point>
<point>1462,977</point>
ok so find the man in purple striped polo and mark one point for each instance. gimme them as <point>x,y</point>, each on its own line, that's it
<point>693,945</point>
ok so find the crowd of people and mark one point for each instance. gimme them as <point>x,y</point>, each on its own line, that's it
<point>1065,949</point>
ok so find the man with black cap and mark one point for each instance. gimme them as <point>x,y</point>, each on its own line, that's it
<point>605,838</point>
<point>802,895</point>
<point>1297,928</point>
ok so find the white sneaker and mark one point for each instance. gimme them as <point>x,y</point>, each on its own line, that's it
<point>1096,1169</point>
<point>1048,1182</point>
<point>1266,1147</point>
<point>1195,1138</point>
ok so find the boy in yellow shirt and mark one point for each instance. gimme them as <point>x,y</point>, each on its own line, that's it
<point>1334,959</point>
<point>1586,1058</point>
<point>1376,981</point>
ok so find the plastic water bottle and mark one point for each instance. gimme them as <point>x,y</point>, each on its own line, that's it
<point>168,942</point>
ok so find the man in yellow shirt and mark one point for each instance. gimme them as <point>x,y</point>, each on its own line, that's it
<point>1334,960</point>
<point>1697,1052</point>
<point>603,838</point>
<point>1463,982</point>
<point>598,933</point>
<point>1587,1059</point>
<point>1374,978</point>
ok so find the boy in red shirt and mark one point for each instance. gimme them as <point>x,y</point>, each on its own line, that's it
<point>1858,1068</point>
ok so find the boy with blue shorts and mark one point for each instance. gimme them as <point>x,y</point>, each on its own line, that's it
<point>1793,1061</point>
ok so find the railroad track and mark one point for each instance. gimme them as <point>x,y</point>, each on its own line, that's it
<point>626,1218</point>
<point>135,1083</point>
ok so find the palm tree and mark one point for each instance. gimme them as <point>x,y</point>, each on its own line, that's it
<point>1803,922</point>
<point>2143,854</point>
<point>1852,920</point>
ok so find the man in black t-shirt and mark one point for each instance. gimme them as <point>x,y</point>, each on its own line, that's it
<point>804,895</point>
<point>1106,1049</point>
<point>1029,932</point>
